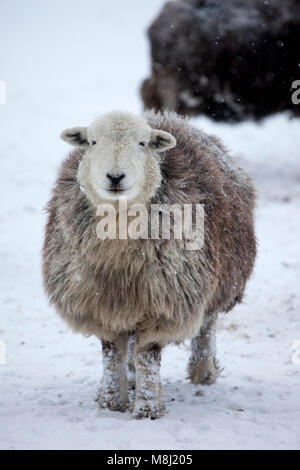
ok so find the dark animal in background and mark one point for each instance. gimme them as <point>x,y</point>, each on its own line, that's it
<point>230,59</point>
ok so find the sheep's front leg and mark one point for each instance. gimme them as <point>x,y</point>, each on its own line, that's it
<point>131,372</point>
<point>113,391</point>
<point>203,367</point>
<point>148,388</point>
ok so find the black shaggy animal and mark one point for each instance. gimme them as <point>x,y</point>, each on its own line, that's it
<point>229,59</point>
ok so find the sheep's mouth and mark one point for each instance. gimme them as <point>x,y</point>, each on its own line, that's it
<point>117,189</point>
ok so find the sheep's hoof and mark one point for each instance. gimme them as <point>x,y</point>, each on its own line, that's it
<point>112,402</point>
<point>143,409</point>
<point>203,372</point>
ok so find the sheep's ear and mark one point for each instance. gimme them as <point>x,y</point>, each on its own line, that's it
<point>161,140</point>
<point>76,136</point>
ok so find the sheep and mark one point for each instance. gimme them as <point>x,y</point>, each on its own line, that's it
<point>231,60</point>
<point>138,295</point>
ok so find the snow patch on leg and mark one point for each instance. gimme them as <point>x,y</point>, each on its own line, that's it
<point>203,367</point>
<point>130,370</point>
<point>113,391</point>
<point>148,402</point>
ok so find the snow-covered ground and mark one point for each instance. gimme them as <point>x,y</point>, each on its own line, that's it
<point>64,62</point>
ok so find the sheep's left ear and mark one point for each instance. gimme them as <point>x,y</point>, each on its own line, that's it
<point>161,140</point>
<point>76,136</point>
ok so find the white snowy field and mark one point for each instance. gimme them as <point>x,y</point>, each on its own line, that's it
<point>64,62</point>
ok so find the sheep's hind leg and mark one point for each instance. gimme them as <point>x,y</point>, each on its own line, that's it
<point>113,391</point>
<point>148,388</point>
<point>203,367</point>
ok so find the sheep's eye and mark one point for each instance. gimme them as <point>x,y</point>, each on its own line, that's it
<point>142,144</point>
<point>93,142</point>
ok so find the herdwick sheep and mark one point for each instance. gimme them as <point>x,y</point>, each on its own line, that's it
<point>230,59</point>
<point>138,295</point>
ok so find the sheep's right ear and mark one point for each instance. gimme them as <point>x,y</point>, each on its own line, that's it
<point>76,136</point>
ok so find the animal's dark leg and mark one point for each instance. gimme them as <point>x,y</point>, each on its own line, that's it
<point>113,391</point>
<point>203,367</point>
<point>148,388</point>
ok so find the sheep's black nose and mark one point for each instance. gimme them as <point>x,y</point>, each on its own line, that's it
<point>115,179</point>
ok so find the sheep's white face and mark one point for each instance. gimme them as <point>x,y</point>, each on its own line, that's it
<point>121,158</point>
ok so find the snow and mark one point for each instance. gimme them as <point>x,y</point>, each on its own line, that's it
<point>63,64</point>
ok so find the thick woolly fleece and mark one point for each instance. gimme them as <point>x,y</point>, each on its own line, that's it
<point>154,288</point>
<point>228,59</point>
